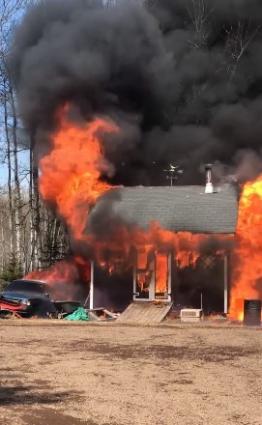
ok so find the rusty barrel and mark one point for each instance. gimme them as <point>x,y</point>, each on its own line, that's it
<point>252,312</point>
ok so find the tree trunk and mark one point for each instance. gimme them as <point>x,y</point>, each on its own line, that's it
<point>9,183</point>
<point>17,192</point>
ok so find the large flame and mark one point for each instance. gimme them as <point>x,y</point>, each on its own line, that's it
<point>70,173</point>
<point>247,271</point>
<point>71,180</point>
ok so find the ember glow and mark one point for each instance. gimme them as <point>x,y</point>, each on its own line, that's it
<point>247,276</point>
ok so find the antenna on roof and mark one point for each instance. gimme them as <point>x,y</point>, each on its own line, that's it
<point>173,173</point>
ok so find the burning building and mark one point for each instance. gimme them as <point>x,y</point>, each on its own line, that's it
<point>107,93</point>
<point>194,234</point>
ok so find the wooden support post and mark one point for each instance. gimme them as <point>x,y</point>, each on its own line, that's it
<point>169,281</point>
<point>134,282</point>
<point>135,277</point>
<point>225,284</point>
<point>91,301</point>
<point>152,285</point>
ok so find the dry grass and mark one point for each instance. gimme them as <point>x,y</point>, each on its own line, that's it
<point>69,374</point>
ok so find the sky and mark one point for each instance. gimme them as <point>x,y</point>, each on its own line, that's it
<point>23,165</point>
<point>3,168</point>
<point>3,174</point>
<point>23,158</point>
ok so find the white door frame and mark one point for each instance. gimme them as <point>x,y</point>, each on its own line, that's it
<point>151,295</point>
<point>152,286</point>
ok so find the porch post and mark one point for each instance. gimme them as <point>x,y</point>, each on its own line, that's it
<point>91,302</point>
<point>134,277</point>
<point>225,284</point>
<point>152,286</point>
<point>169,279</point>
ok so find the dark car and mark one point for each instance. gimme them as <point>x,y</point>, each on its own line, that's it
<point>28,298</point>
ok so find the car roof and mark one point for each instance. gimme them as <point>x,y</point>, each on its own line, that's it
<point>30,280</point>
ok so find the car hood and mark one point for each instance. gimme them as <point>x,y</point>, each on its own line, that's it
<point>18,296</point>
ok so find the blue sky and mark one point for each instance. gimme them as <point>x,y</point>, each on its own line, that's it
<point>3,168</point>
<point>3,174</point>
<point>23,164</point>
<point>23,160</point>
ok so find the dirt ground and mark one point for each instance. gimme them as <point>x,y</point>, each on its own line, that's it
<point>70,374</point>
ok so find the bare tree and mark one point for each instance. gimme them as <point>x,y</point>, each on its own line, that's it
<point>238,40</point>
<point>9,12</point>
<point>199,12</point>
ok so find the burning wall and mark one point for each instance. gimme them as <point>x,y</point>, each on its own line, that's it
<point>247,268</point>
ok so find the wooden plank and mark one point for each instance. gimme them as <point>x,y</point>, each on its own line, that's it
<point>145,312</point>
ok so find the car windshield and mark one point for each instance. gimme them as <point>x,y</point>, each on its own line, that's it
<point>26,286</point>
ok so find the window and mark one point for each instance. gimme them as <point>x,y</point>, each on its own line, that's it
<point>26,286</point>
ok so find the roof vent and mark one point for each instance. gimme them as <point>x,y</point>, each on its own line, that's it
<point>209,185</point>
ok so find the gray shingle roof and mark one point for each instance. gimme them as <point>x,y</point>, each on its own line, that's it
<point>179,208</point>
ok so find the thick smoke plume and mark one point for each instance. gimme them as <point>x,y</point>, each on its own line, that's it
<point>181,78</point>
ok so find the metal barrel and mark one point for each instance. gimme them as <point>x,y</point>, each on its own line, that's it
<point>252,312</point>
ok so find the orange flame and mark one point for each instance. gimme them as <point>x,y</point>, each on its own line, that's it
<point>71,180</point>
<point>247,276</point>
<point>142,257</point>
<point>70,173</point>
<point>62,277</point>
<point>161,273</point>
<point>60,272</point>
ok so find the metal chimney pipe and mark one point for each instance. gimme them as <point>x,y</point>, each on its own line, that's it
<point>209,185</point>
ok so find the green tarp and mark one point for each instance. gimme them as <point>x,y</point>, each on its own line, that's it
<point>79,314</point>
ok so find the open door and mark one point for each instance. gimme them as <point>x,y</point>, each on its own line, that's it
<point>152,277</point>
<point>144,277</point>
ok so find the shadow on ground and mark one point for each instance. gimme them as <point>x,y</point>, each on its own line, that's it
<point>210,354</point>
<point>28,395</point>
<point>50,416</point>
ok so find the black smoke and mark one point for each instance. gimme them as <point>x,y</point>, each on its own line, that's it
<point>182,78</point>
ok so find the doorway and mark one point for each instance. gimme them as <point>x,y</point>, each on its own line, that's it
<point>152,277</point>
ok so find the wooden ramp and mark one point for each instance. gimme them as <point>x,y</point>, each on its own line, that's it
<point>145,312</point>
